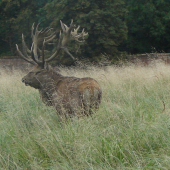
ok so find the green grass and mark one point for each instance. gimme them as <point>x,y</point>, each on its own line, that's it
<point>131,130</point>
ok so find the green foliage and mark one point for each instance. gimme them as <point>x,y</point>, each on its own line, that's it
<point>16,17</point>
<point>148,25</point>
<point>114,26</point>
<point>103,20</point>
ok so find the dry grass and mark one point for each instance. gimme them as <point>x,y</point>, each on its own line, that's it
<point>130,130</point>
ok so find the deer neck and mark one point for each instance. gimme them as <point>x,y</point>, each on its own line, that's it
<point>50,81</point>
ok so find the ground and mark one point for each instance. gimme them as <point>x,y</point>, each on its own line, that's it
<point>129,131</point>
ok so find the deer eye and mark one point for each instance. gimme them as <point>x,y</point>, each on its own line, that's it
<point>37,72</point>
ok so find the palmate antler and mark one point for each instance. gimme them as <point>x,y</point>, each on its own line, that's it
<point>44,37</point>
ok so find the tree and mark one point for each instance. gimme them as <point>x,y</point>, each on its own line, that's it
<point>103,20</point>
<point>16,17</point>
<point>148,26</point>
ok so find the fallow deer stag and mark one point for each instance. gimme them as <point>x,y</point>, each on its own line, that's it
<point>69,95</point>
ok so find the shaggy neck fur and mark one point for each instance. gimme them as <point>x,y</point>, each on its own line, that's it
<point>48,86</point>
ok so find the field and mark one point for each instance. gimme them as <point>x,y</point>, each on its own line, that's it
<point>130,131</point>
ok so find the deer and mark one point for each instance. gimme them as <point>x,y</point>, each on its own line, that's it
<point>70,96</point>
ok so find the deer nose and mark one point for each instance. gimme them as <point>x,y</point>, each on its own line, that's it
<point>23,80</point>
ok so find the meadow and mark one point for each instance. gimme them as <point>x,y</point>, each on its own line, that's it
<point>130,131</point>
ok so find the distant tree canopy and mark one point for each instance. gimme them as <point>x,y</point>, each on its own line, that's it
<point>148,24</point>
<point>16,17</point>
<point>103,20</point>
<point>114,26</point>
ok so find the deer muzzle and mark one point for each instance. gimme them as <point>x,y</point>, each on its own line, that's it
<point>23,80</point>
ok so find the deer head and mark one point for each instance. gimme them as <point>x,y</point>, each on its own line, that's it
<point>36,54</point>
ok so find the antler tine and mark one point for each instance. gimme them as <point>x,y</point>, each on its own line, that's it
<point>71,22</point>
<point>57,51</point>
<point>36,29</point>
<point>43,55</point>
<point>24,47</point>
<point>76,29</point>
<point>32,30</point>
<point>47,29</point>
<point>50,39</point>
<point>65,28</point>
<point>21,55</point>
<point>59,40</point>
<point>68,34</point>
<point>44,32</point>
<point>84,33</point>
<point>63,40</point>
<point>38,37</point>
<point>34,35</point>
<point>71,25</point>
<point>76,36</point>
<point>32,54</point>
<point>62,26</point>
<point>44,37</point>
<point>68,52</point>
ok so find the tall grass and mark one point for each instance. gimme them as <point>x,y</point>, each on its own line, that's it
<point>131,130</point>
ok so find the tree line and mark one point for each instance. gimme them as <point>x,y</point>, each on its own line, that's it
<point>115,27</point>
